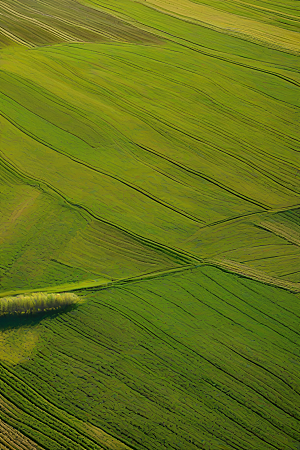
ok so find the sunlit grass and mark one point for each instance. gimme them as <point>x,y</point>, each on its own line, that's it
<point>36,302</point>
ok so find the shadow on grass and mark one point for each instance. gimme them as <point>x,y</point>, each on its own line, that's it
<point>10,321</point>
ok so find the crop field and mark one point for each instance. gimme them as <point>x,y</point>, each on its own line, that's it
<point>149,176</point>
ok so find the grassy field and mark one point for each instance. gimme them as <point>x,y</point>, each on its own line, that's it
<point>149,162</point>
<point>197,359</point>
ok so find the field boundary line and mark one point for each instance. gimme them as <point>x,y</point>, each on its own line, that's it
<point>14,436</point>
<point>254,274</point>
<point>230,266</point>
<point>15,38</point>
<point>85,211</point>
<point>282,231</point>
<point>54,31</point>
<point>250,29</point>
<point>97,170</point>
<point>101,283</point>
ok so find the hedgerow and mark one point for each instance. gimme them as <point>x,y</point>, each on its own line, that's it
<point>36,302</point>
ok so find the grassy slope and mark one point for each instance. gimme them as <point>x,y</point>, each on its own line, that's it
<point>201,359</point>
<point>120,160</point>
<point>161,140</point>
<point>47,242</point>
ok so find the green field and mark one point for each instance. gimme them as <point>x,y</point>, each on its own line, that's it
<point>149,163</point>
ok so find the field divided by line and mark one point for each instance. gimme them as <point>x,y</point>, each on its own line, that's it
<point>11,439</point>
<point>282,14</point>
<point>233,24</point>
<point>149,160</point>
<point>34,23</point>
<point>146,161</point>
<point>45,242</point>
<point>191,360</point>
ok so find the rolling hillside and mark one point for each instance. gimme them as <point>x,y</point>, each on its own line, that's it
<point>149,162</point>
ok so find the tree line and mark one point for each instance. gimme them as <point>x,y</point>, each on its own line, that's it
<point>36,302</point>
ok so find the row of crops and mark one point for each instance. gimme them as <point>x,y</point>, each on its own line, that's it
<point>149,160</point>
<point>126,156</point>
<point>190,360</point>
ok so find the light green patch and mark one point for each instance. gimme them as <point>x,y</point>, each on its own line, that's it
<point>17,345</point>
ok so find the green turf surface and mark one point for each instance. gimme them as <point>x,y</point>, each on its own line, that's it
<point>201,359</point>
<point>49,243</point>
<point>149,162</point>
<point>197,175</point>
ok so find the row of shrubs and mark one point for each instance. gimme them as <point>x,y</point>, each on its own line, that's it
<point>36,302</point>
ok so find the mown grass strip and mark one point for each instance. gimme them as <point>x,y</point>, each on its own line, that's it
<point>76,286</point>
<point>87,285</point>
<point>232,24</point>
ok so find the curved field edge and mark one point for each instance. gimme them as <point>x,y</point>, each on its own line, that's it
<point>199,357</point>
<point>31,24</point>
<point>226,265</point>
<point>176,254</point>
<point>161,220</point>
<point>248,272</point>
<point>177,351</point>
<point>118,253</point>
<point>230,24</point>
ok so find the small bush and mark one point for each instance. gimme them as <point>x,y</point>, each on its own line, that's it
<point>36,302</point>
